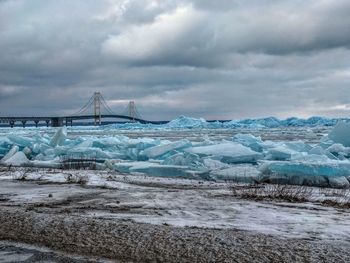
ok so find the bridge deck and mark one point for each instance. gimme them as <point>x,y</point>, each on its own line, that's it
<point>59,120</point>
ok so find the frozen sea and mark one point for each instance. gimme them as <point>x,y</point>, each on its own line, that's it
<point>296,152</point>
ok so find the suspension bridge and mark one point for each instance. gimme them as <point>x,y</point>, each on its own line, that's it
<point>96,109</point>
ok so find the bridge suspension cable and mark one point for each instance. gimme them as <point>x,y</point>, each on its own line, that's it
<point>98,106</point>
<point>86,106</point>
<point>105,105</point>
<point>95,101</point>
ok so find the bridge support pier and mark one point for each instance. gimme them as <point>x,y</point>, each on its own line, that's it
<point>47,123</point>
<point>12,124</point>
<point>97,108</point>
<point>36,123</point>
<point>69,122</point>
<point>24,124</point>
<point>57,122</point>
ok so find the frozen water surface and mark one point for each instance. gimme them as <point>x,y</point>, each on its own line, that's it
<point>288,151</point>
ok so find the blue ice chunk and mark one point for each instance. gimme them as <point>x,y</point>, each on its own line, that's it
<point>109,142</point>
<point>4,141</point>
<point>339,182</point>
<point>318,150</point>
<point>40,148</point>
<point>123,167</point>
<point>49,152</point>
<point>10,153</point>
<point>132,154</point>
<point>41,157</point>
<point>270,122</point>
<point>321,121</point>
<point>142,143</point>
<point>215,125</point>
<point>169,171</point>
<point>3,151</point>
<point>252,124</point>
<point>286,150</point>
<point>160,150</point>
<point>185,159</point>
<point>298,146</point>
<point>328,169</point>
<point>85,143</point>
<point>27,151</point>
<point>58,151</point>
<point>18,159</point>
<point>229,152</point>
<point>308,180</point>
<point>20,141</point>
<point>75,142</point>
<point>38,138</point>
<point>59,137</point>
<point>339,149</point>
<point>340,133</point>
<point>312,122</point>
<point>89,152</point>
<point>237,173</point>
<point>280,152</point>
<point>308,158</point>
<point>254,143</point>
<point>213,165</point>
<point>323,172</point>
<point>186,122</point>
<point>159,170</point>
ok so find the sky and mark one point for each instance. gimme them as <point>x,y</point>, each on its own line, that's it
<point>202,58</point>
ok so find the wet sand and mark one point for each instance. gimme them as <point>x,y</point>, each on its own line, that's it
<point>65,223</point>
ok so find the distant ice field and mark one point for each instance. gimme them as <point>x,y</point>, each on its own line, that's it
<point>308,134</point>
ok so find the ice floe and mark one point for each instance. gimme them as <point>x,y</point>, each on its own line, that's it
<point>340,134</point>
<point>228,152</point>
<point>187,122</point>
<point>18,159</point>
<point>243,157</point>
<point>162,149</point>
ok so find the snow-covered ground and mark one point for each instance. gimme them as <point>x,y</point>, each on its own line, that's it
<point>177,202</point>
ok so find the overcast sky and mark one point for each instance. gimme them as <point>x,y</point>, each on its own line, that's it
<point>201,58</point>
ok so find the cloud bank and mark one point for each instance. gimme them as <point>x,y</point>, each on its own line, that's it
<point>213,59</point>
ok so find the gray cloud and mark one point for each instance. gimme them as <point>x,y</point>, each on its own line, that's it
<point>215,59</point>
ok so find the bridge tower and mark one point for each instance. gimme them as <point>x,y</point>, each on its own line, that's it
<point>132,110</point>
<point>97,108</point>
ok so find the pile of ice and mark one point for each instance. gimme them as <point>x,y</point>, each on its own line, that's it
<point>244,158</point>
<point>184,122</point>
<point>187,122</point>
<point>272,122</point>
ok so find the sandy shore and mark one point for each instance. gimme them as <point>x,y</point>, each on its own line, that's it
<point>137,242</point>
<point>155,220</point>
